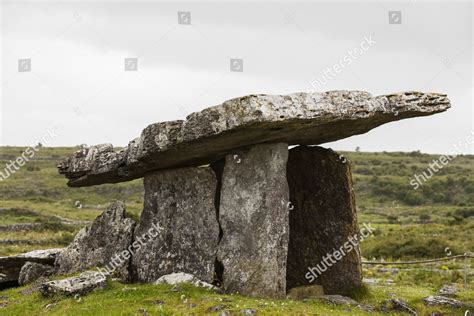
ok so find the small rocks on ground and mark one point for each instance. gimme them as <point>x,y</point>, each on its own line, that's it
<point>83,284</point>
<point>216,308</point>
<point>449,290</point>
<point>434,300</point>
<point>177,278</point>
<point>339,300</point>
<point>399,305</point>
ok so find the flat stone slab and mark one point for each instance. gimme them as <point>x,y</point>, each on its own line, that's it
<point>81,285</point>
<point>10,266</point>
<point>208,135</point>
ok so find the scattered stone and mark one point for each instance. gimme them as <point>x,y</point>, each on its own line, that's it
<point>31,271</point>
<point>177,278</point>
<point>10,266</point>
<point>143,311</point>
<point>208,135</point>
<point>51,305</point>
<point>216,308</point>
<point>366,308</point>
<point>253,214</point>
<point>191,305</point>
<point>181,204</point>
<point>83,284</point>
<point>338,300</point>
<point>104,243</point>
<point>225,313</point>
<point>305,292</point>
<point>441,300</point>
<point>158,302</point>
<point>398,305</point>
<point>449,290</point>
<point>323,222</point>
<point>248,311</point>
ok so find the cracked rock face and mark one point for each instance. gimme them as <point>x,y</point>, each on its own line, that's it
<point>253,214</point>
<point>323,219</point>
<point>178,229</point>
<point>109,235</point>
<point>208,135</point>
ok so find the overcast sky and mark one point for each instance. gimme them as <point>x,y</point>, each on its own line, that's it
<point>78,87</point>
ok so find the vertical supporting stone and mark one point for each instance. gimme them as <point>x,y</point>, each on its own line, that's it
<point>323,218</point>
<point>181,203</point>
<point>253,215</point>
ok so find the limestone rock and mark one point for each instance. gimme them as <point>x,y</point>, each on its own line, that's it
<point>180,204</point>
<point>399,305</point>
<point>98,245</point>
<point>81,285</point>
<point>10,266</point>
<point>177,278</point>
<point>206,136</point>
<point>446,301</point>
<point>449,290</point>
<point>253,214</point>
<point>323,220</point>
<point>339,300</point>
<point>31,271</point>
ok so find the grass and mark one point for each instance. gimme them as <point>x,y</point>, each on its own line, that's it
<point>136,299</point>
<point>433,221</point>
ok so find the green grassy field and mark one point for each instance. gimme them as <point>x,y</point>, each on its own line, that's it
<point>434,221</point>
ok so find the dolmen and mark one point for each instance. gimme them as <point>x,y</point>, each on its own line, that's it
<point>238,195</point>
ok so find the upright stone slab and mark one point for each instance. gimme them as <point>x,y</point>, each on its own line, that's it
<point>253,214</point>
<point>180,203</point>
<point>323,218</point>
<point>105,243</point>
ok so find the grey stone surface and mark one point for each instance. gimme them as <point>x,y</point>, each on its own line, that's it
<point>180,277</point>
<point>81,285</point>
<point>338,300</point>
<point>449,290</point>
<point>253,214</point>
<point>323,218</point>
<point>399,305</point>
<point>206,136</point>
<point>181,203</point>
<point>434,300</point>
<point>10,266</point>
<point>31,271</point>
<point>98,245</point>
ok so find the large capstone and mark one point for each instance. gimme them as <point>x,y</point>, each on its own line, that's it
<point>106,244</point>
<point>208,135</point>
<point>178,229</point>
<point>323,220</point>
<point>253,214</point>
